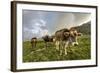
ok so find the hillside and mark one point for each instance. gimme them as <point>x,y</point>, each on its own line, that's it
<point>85,28</point>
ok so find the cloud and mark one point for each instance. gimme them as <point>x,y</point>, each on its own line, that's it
<point>36,28</point>
<point>68,20</point>
<point>40,23</point>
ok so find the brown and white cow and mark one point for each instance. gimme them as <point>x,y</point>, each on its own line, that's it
<point>34,42</point>
<point>64,38</point>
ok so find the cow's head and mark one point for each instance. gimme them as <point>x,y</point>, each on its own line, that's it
<point>72,36</point>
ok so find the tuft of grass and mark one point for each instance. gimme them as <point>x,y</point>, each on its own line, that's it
<point>41,53</point>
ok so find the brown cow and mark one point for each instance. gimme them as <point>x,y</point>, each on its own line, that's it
<point>65,37</point>
<point>34,42</point>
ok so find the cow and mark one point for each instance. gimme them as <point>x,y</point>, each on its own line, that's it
<point>47,39</point>
<point>64,38</point>
<point>33,42</point>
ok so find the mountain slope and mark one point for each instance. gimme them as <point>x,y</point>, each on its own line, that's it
<point>85,28</point>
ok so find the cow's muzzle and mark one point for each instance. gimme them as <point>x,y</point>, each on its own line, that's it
<point>75,43</point>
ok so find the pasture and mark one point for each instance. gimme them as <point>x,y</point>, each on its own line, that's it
<point>41,53</point>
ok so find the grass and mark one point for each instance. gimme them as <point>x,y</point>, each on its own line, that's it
<point>41,53</point>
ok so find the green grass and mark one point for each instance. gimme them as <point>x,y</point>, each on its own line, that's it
<point>41,53</point>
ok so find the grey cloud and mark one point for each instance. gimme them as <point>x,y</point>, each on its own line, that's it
<point>39,23</point>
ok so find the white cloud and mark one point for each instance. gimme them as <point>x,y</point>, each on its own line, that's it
<point>36,29</point>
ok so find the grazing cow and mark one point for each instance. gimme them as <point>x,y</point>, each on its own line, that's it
<point>65,37</point>
<point>34,42</point>
<point>47,39</point>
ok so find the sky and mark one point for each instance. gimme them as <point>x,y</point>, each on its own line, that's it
<point>40,23</point>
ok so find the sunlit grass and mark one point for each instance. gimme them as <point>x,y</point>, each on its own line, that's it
<point>41,53</point>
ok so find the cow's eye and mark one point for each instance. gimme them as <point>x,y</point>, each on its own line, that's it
<point>75,34</point>
<point>66,33</point>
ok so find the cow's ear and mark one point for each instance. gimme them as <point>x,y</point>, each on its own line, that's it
<point>79,34</point>
<point>66,33</point>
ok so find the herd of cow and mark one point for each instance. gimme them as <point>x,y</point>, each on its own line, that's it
<point>62,39</point>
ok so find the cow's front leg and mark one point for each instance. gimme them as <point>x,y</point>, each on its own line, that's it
<point>57,45</point>
<point>65,48</point>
